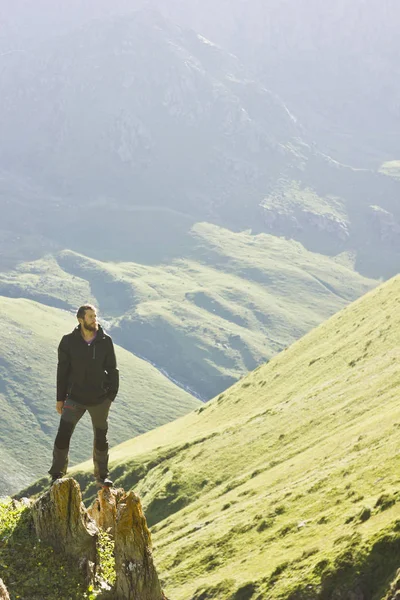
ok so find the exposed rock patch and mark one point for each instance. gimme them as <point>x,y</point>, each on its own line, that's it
<point>3,591</point>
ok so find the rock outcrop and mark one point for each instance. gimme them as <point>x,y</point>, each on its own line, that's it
<point>3,591</point>
<point>122,515</point>
<point>62,521</point>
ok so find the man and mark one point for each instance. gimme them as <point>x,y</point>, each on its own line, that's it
<point>87,380</point>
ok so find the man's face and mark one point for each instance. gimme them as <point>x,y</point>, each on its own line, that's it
<point>89,322</point>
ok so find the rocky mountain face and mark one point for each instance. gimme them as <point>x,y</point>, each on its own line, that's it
<point>140,110</point>
<point>335,65</point>
<point>133,111</point>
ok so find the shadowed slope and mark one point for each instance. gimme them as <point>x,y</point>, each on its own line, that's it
<point>229,304</point>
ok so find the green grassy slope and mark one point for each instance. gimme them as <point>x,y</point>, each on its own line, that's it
<point>29,336</point>
<point>289,479</point>
<point>229,304</point>
<point>391,168</point>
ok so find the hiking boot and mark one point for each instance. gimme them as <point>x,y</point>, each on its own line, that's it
<point>55,477</point>
<point>104,482</point>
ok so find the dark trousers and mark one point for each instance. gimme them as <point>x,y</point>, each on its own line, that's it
<point>71,415</point>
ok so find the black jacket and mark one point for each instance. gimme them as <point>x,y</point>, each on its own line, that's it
<point>87,374</point>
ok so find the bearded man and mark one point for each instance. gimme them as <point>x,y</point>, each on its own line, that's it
<point>87,380</point>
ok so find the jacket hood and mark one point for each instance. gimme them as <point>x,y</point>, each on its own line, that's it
<point>100,332</point>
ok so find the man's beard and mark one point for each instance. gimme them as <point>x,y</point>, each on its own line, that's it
<point>89,327</point>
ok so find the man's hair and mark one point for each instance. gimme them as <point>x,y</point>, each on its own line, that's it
<point>82,310</point>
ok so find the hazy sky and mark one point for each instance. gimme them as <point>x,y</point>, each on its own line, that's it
<point>358,18</point>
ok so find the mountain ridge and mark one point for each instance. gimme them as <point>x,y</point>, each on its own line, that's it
<point>332,64</point>
<point>134,111</point>
<point>229,303</point>
<point>296,463</point>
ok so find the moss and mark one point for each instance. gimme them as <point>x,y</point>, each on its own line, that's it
<point>30,568</point>
<point>107,557</point>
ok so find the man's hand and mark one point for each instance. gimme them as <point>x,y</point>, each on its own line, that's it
<point>59,406</point>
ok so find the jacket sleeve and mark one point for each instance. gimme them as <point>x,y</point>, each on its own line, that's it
<point>63,369</point>
<point>112,371</point>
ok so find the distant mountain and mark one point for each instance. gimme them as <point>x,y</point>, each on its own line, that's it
<point>121,136</point>
<point>136,112</point>
<point>286,486</point>
<point>29,336</point>
<point>334,64</point>
<point>140,111</point>
<point>227,304</point>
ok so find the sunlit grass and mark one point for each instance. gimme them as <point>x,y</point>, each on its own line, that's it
<point>391,168</point>
<point>274,483</point>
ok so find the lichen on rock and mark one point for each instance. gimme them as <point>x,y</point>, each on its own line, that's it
<point>122,516</point>
<point>61,520</point>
